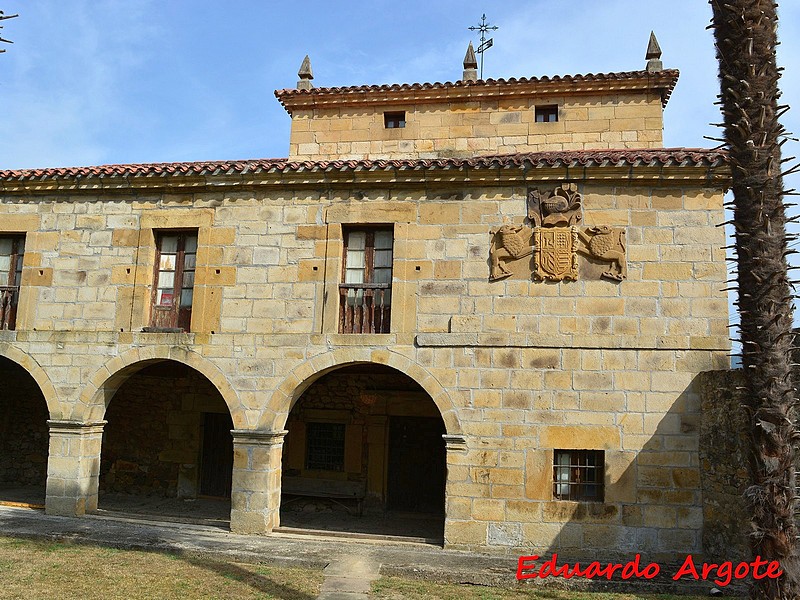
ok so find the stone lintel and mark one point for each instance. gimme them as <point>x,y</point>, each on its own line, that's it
<point>258,437</point>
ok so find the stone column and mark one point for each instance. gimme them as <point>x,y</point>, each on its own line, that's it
<point>456,447</point>
<point>256,489</point>
<point>73,467</point>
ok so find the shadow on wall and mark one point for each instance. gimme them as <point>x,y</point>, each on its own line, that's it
<point>680,494</point>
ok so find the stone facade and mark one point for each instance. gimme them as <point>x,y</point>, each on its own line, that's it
<point>472,118</point>
<point>516,368</point>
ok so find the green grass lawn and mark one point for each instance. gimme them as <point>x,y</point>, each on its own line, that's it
<point>47,570</point>
<point>34,570</point>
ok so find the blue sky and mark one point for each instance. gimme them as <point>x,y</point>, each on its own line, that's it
<point>107,81</point>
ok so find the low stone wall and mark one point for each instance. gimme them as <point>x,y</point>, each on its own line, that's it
<point>723,460</point>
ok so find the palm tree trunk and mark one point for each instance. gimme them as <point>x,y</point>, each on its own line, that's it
<point>745,32</point>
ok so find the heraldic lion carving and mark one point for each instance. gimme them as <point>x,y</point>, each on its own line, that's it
<point>605,243</point>
<point>508,244</point>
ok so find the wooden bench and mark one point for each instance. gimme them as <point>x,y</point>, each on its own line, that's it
<point>335,489</point>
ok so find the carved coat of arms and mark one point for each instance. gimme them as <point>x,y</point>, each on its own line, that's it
<point>555,240</point>
<point>555,254</point>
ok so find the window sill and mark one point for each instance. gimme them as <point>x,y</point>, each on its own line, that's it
<point>362,339</point>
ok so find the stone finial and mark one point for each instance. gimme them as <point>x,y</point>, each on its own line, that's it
<point>470,65</point>
<point>653,55</point>
<point>305,75</point>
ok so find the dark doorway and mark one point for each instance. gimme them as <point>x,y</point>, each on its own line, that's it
<point>364,456</point>
<point>24,437</point>
<point>167,448</point>
<point>216,464</point>
<point>417,465</point>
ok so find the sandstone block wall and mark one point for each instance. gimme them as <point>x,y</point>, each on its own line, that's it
<point>723,458</point>
<point>474,127</point>
<point>516,368</point>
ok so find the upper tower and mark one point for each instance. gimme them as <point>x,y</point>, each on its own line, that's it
<point>480,117</point>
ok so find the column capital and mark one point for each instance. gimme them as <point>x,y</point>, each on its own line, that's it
<point>67,427</point>
<point>455,443</point>
<point>258,437</point>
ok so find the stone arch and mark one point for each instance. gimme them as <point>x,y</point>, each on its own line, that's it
<point>102,386</point>
<point>302,376</point>
<point>35,370</point>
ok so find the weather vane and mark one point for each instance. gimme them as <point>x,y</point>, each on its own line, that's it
<point>485,44</point>
<point>3,17</point>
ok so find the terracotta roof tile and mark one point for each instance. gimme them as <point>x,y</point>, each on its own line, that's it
<point>665,80</point>
<point>570,158</point>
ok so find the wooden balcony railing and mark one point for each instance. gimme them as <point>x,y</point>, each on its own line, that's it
<point>365,307</point>
<point>8,306</point>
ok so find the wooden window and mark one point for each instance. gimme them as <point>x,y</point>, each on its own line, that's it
<point>325,446</point>
<point>365,297</point>
<point>394,120</point>
<point>547,114</point>
<point>578,475</point>
<point>12,251</point>
<point>176,252</point>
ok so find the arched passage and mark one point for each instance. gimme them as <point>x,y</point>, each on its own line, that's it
<point>304,375</point>
<point>167,448</point>
<point>24,436</point>
<point>106,381</point>
<point>364,453</point>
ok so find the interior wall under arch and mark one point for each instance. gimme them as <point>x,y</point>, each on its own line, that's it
<point>155,439</point>
<point>24,433</point>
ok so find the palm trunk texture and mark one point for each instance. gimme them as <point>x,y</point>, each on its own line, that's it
<point>745,33</point>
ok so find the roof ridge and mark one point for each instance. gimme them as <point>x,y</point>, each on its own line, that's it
<point>630,156</point>
<point>668,76</point>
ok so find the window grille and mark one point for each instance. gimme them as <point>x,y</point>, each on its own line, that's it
<point>578,475</point>
<point>325,446</point>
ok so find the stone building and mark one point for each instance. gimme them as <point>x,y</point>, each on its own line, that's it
<point>487,301</point>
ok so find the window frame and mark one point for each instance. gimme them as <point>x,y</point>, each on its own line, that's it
<point>546,111</point>
<point>394,119</point>
<point>579,484</point>
<point>358,322</point>
<point>9,294</point>
<point>175,317</point>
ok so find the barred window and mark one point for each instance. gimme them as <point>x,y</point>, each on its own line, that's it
<point>325,446</point>
<point>578,475</point>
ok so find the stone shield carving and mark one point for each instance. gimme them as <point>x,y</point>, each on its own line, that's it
<point>552,234</point>
<point>555,253</point>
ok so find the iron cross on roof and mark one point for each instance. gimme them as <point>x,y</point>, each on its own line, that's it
<point>485,44</point>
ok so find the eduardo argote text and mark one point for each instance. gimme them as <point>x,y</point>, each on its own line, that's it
<point>722,574</point>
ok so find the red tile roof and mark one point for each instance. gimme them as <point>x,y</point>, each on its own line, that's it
<point>665,80</point>
<point>567,158</point>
